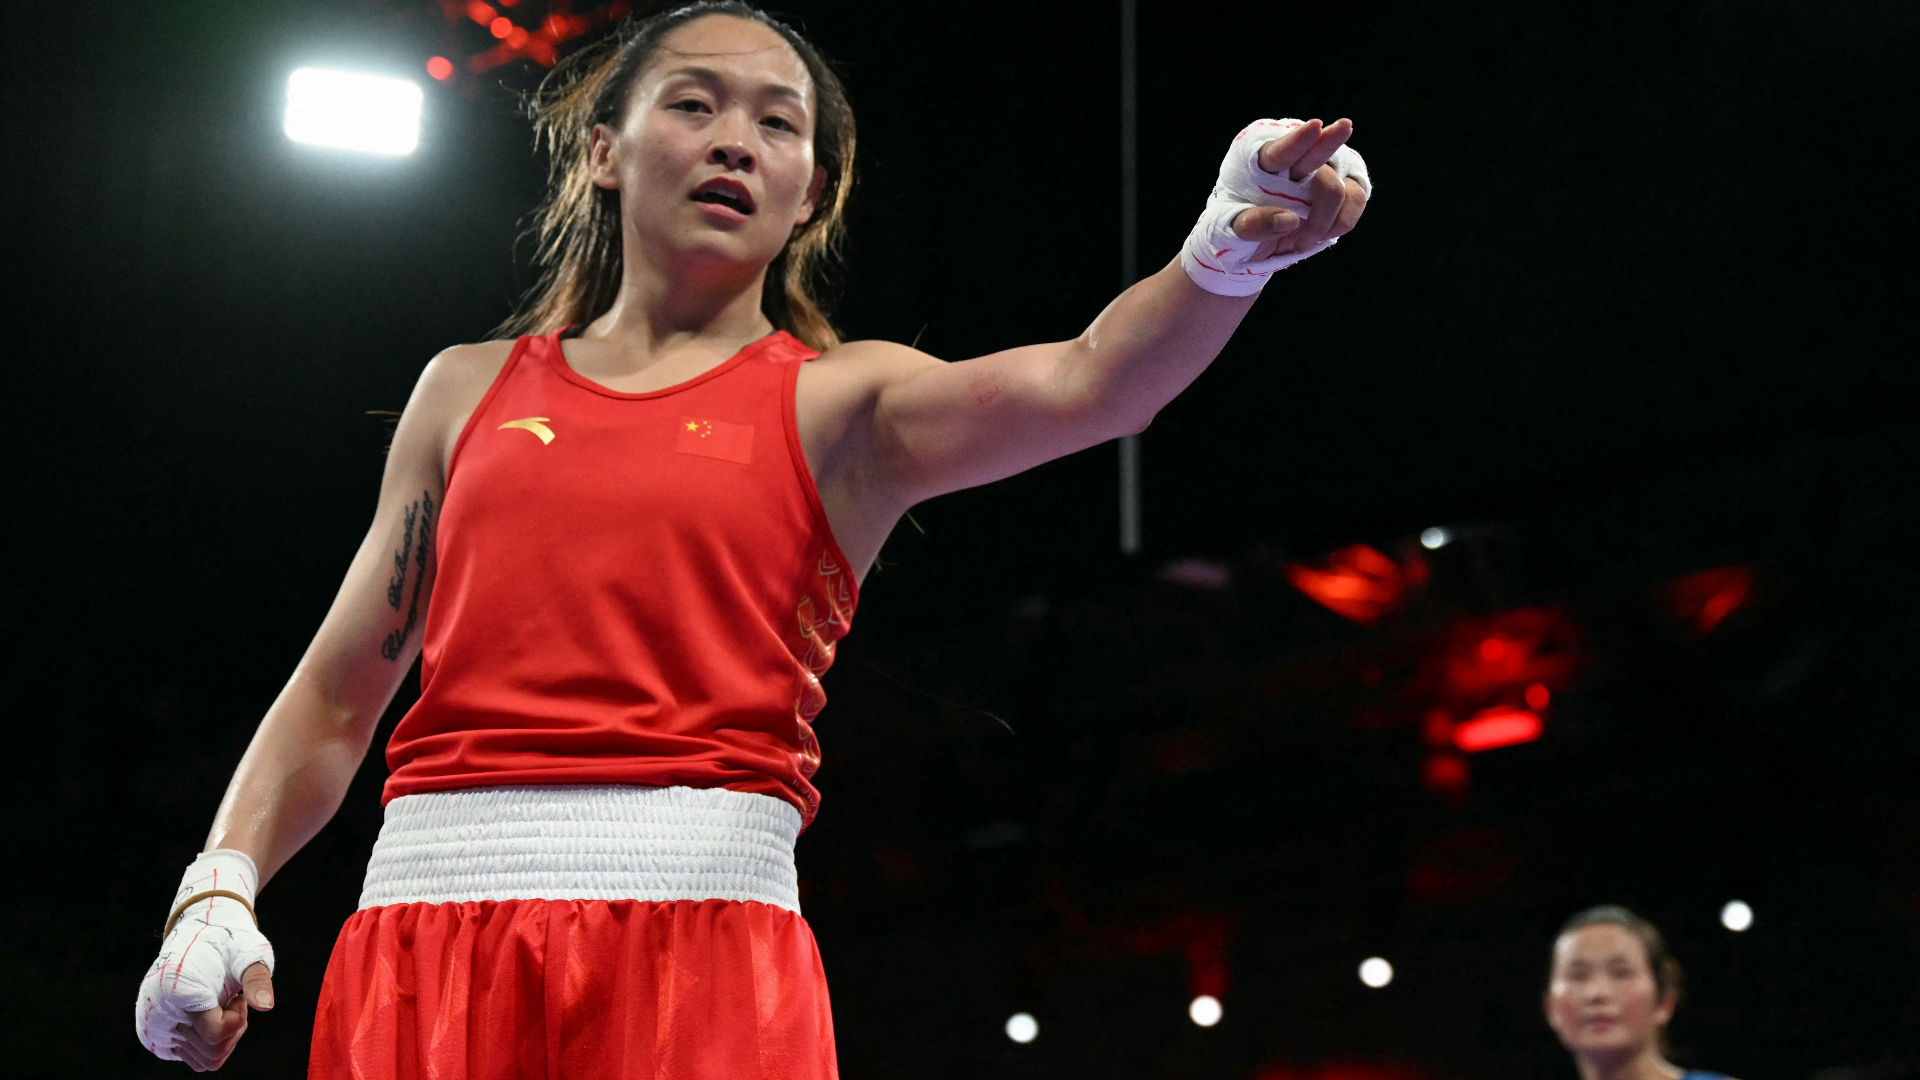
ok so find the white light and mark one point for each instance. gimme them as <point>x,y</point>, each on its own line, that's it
<point>1375,972</point>
<point>369,113</point>
<point>1736,916</point>
<point>1022,1027</point>
<point>1205,1010</point>
<point>1435,538</point>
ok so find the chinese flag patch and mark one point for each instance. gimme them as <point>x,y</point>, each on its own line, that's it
<point>715,439</point>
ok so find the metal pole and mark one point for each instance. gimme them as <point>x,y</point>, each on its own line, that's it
<point>1129,250</point>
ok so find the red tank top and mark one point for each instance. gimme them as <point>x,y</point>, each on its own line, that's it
<point>633,588</point>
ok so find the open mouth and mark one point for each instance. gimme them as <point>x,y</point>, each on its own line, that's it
<point>721,191</point>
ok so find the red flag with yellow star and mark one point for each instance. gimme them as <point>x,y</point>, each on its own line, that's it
<point>716,439</point>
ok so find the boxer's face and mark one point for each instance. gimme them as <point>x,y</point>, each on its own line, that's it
<point>713,158</point>
<point>1602,996</point>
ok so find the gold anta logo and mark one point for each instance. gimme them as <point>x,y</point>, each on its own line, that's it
<point>535,424</point>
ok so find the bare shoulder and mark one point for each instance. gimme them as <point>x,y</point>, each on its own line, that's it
<point>444,397</point>
<point>877,361</point>
<point>462,371</point>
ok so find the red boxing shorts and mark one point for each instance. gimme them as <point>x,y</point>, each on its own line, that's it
<point>679,953</point>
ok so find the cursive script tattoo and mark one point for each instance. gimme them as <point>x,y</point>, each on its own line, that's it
<point>397,585</point>
<point>417,542</point>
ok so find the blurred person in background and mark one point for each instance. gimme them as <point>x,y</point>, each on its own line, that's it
<point>1611,991</point>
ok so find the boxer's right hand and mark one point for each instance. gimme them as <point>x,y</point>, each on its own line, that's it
<point>213,966</point>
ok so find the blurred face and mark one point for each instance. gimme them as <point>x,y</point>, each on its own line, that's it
<point>1602,998</point>
<point>714,156</point>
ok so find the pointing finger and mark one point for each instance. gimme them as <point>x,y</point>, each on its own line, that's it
<point>1262,222</point>
<point>1279,155</point>
<point>1331,140</point>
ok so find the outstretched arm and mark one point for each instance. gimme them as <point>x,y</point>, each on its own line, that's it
<point>936,427</point>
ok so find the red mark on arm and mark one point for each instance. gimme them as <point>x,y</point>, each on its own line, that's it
<point>985,388</point>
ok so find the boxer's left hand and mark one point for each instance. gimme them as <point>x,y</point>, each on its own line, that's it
<point>1337,202</point>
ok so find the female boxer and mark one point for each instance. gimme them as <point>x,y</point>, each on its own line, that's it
<point>626,542</point>
<point>1611,990</point>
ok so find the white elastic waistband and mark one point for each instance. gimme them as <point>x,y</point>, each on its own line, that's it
<point>585,842</point>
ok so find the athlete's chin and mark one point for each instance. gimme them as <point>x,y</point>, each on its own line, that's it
<point>1602,1037</point>
<point>724,254</point>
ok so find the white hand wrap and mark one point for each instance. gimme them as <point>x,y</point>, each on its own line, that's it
<point>200,962</point>
<point>1215,257</point>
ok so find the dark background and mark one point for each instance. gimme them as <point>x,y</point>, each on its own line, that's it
<point>1633,303</point>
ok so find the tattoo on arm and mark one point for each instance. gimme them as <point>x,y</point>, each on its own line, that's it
<point>415,543</point>
<point>397,586</point>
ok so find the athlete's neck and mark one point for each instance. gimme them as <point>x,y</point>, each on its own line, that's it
<point>673,303</point>
<point>1647,1063</point>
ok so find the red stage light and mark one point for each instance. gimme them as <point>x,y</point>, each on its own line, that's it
<point>1493,658</point>
<point>1358,583</point>
<point>500,27</point>
<point>1708,597</point>
<point>559,27</point>
<point>1493,728</point>
<point>481,13</point>
<point>517,38</point>
<point>1444,774</point>
<point>1537,696</point>
<point>440,68</point>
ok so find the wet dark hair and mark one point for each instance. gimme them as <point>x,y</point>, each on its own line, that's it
<point>577,224</point>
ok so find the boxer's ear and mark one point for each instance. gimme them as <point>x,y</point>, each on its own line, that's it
<point>600,166</point>
<point>814,188</point>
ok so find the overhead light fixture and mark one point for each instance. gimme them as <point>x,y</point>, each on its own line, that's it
<point>372,114</point>
<point>1022,1027</point>
<point>1435,538</point>
<point>1205,1010</point>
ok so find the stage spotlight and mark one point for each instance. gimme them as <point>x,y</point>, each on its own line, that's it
<point>1435,538</point>
<point>1022,1027</point>
<point>1205,1010</point>
<point>1736,916</point>
<point>1538,697</point>
<point>368,113</point>
<point>1491,729</point>
<point>1375,972</point>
